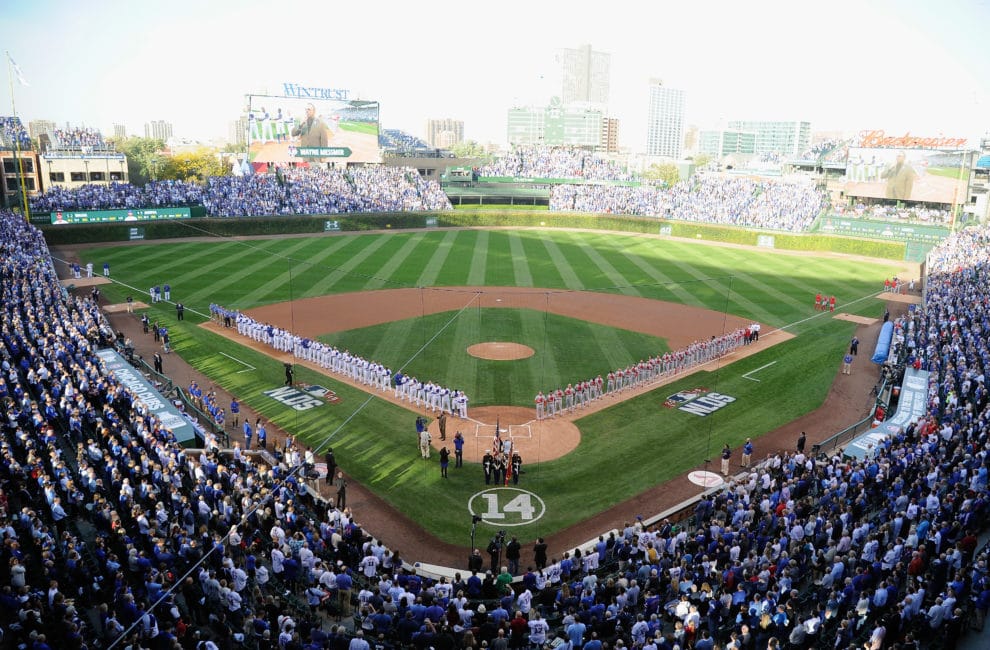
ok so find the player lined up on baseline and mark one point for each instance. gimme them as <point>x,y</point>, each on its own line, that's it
<point>584,392</point>
<point>431,396</point>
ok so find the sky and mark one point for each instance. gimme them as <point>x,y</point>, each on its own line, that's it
<point>843,65</point>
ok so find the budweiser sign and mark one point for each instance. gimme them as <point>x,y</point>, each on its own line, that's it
<point>878,138</point>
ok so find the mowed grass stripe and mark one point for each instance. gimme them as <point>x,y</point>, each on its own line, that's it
<point>499,271</point>
<point>602,348</point>
<point>478,259</point>
<point>403,276</point>
<point>750,289</point>
<point>615,278</point>
<point>544,367</point>
<point>441,250</point>
<point>524,277</point>
<point>665,288</point>
<point>369,245</point>
<point>245,274</point>
<point>462,334</point>
<point>721,290</point>
<point>767,289</point>
<point>567,272</point>
<point>192,265</point>
<point>782,273</point>
<point>142,271</point>
<point>542,271</point>
<point>307,272</point>
<point>138,269</point>
<point>627,267</point>
<point>395,262</point>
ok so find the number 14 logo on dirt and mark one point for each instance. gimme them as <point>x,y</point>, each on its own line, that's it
<point>507,506</point>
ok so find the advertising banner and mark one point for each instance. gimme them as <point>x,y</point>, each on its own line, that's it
<point>110,216</point>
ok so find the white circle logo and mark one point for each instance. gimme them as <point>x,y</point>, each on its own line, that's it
<point>506,506</point>
<point>706,479</point>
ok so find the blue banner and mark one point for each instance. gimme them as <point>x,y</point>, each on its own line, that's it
<point>171,418</point>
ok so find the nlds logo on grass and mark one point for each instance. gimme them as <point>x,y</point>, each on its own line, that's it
<point>699,401</point>
<point>320,391</point>
<point>294,398</point>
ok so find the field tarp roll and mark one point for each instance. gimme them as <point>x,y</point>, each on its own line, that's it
<point>883,343</point>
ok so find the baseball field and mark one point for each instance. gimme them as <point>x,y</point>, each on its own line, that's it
<point>463,287</point>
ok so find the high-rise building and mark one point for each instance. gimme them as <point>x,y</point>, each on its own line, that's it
<point>158,129</point>
<point>789,139</point>
<point>37,127</point>
<point>119,132</point>
<point>237,131</point>
<point>665,121</point>
<point>445,132</point>
<point>584,75</point>
<point>610,136</point>
<point>724,142</point>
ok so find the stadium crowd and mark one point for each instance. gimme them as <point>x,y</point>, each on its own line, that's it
<point>896,213</point>
<point>13,133</point>
<point>706,198</point>
<point>833,150</point>
<point>290,191</point>
<point>102,512</point>
<point>155,194</point>
<point>323,191</point>
<point>77,138</point>
<point>398,140</point>
<point>537,161</point>
<point>111,528</point>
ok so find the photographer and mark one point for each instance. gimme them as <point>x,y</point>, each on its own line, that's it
<point>495,550</point>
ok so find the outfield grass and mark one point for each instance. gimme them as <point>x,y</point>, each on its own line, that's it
<point>949,172</point>
<point>482,208</point>
<point>624,450</point>
<point>370,128</point>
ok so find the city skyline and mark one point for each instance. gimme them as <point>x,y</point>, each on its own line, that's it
<point>901,67</point>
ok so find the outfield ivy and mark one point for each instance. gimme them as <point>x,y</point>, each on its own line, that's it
<point>267,226</point>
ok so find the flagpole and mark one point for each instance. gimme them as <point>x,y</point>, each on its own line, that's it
<point>17,140</point>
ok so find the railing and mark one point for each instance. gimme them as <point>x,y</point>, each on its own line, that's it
<point>205,420</point>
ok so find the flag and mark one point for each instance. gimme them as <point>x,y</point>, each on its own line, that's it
<point>497,440</point>
<point>17,71</point>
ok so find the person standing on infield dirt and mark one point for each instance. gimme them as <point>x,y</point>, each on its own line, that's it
<point>747,453</point>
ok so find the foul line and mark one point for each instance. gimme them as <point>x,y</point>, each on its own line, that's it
<point>249,366</point>
<point>747,375</point>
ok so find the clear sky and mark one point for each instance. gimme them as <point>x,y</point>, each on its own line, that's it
<point>916,65</point>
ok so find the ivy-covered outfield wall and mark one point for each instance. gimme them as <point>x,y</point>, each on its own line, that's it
<point>230,227</point>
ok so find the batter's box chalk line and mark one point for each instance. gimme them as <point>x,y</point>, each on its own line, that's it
<point>512,431</point>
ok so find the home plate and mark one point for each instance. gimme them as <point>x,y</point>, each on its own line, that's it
<point>705,479</point>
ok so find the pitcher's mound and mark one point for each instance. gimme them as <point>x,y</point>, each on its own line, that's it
<point>496,351</point>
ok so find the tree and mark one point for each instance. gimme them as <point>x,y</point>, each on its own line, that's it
<point>144,159</point>
<point>195,166</point>
<point>666,172</point>
<point>468,149</point>
<point>702,159</point>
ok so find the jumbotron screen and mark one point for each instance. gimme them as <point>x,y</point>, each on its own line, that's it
<point>290,129</point>
<point>927,175</point>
